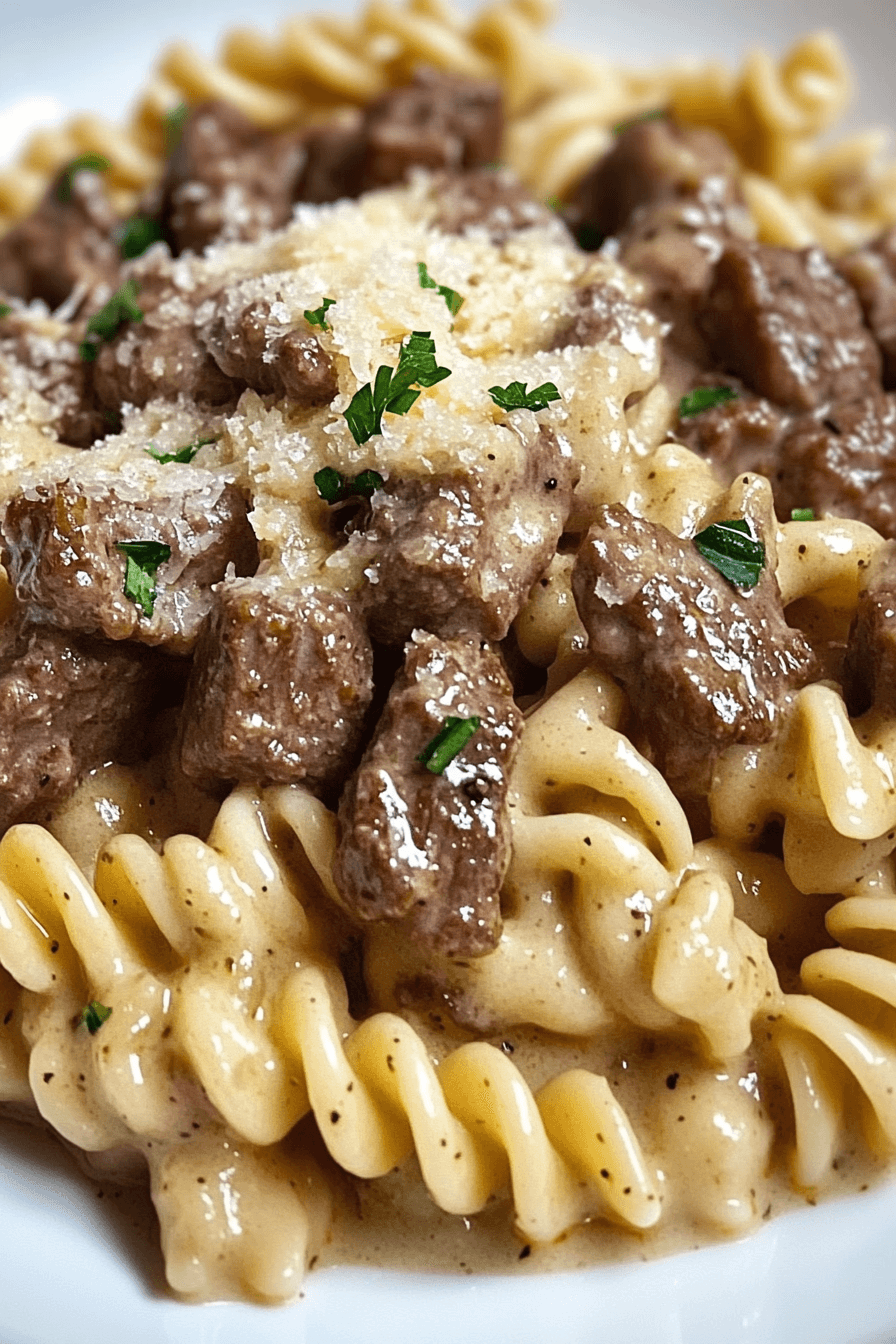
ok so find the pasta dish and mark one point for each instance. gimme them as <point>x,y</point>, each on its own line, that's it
<point>447,618</point>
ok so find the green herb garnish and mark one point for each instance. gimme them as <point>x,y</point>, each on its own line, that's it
<point>443,748</point>
<point>704,399</point>
<point>802,515</point>
<point>105,325</point>
<point>316,317</point>
<point>514,396</point>
<point>175,119</point>
<point>144,558</point>
<point>655,114</point>
<point>185,454</point>
<point>333,487</point>
<point>5,310</point>
<point>453,300</point>
<point>94,1015</point>
<point>733,550</point>
<point>84,163</point>
<point>393,390</point>
<point>137,234</point>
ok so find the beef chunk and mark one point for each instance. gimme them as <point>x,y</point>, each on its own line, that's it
<point>872,273</point>
<point>46,350</point>
<point>60,551</point>
<point>843,463</point>
<point>788,325</point>
<point>250,345</point>
<point>457,553</point>
<point>160,356</point>
<point>870,668</point>
<point>737,436</point>
<point>227,180</point>
<point>66,705</point>
<point>431,849</point>
<point>487,198</point>
<point>439,121</point>
<point>69,240</point>
<point>280,686</point>
<point>705,664</point>
<point>599,313</point>
<point>654,162</point>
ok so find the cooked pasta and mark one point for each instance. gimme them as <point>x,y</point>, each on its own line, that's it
<point>446,640</point>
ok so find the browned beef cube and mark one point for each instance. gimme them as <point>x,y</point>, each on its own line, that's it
<point>599,313</point>
<point>705,664</point>
<point>68,240</point>
<point>493,199</point>
<point>430,849</point>
<point>787,324</point>
<point>227,180</point>
<point>737,436</point>
<point>281,683</point>
<point>458,553</point>
<point>249,345</point>
<point>334,162</point>
<point>60,548</point>
<point>55,369</point>
<point>842,462</point>
<point>653,162</point>
<point>872,273</point>
<point>870,668</point>
<point>160,356</point>
<point>66,705</point>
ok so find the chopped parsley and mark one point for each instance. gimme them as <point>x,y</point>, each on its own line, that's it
<point>5,310</point>
<point>802,515</point>
<point>733,550</point>
<point>704,399</point>
<point>448,743</point>
<point>175,120</point>
<point>105,325</point>
<point>393,389</point>
<point>94,1015</point>
<point>655,114</point>
<point>514,396</point>
<point>137,234</point>
<point>185,454</point>
<point>143,560</point>
<point>453,300</point>
<point>84,163</point>
<point>333,487</point>
<point>316,317</point>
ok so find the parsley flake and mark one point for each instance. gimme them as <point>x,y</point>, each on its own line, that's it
<point>5,310</point>
<point>731,548</point>
<point>704,399</point>
<point>802,515</point>
<point>84,163</point>
<point>137,234</point>
<point>514,397</point>
<point>453,300</point>
<point>175,119</point>
<point>393,390</point>
<point>655,114</point>
<point>94,1015</point>
<point>333,487</point>
<point>316,317</point>
<point>185,454</point>
<point>448,743</point>
<point>143,560</point>
<point>104,326</point>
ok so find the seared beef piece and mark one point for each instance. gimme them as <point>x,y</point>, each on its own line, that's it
<point>280,687</point>
<point>60,551</point>
<point>457,553</point>
<point>600,313</point>
<point>872,273</point>
<point>493,199</point>
<point>705,664</point>
<point>250,345</point>
<point>431,849</point>
<point>652,163</point>
<point>68,240</point>
<point>437,121</point>
<point>737,436</point>
<point>66,705</point>
<point>870,668</point>
<point>843,463</point>
<point>787,324</point>
<point>160,356</point>
<point>56,370</point>
<point>227,180</point>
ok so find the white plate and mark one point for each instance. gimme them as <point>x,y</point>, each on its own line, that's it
<point>75,1270</point>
